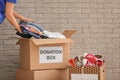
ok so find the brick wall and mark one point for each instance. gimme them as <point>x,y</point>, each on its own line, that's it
<point>97,23</point>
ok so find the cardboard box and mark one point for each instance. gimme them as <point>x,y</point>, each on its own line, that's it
<point>61,74</point>
<point>36,54</point>
<point>87,73</point>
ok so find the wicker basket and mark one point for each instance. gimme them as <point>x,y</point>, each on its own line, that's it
<point>100,71</point>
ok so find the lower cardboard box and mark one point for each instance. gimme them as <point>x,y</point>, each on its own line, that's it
<point>58,74</point>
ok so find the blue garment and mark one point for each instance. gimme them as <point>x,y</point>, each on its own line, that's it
<point>28,34</point>
<point>2,8</point>
<point>24,31</point>
<point>32,25</point>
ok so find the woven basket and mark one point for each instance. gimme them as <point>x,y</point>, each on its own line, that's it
<point>88,70</point>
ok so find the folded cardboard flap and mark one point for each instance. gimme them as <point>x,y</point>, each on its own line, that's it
<point>68,33</point>
<point>51,41</point>
<point>18,42</point>
<point>48,41</point>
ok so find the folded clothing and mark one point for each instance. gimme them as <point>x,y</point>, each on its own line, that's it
<point>27,34</point>
<point>30,29</point>
<point>24,35</point>
<point>53,34</point>
<point>88,59</point>
<point>32,25</point>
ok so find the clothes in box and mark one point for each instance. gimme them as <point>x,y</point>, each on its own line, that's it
<point>36,54</point>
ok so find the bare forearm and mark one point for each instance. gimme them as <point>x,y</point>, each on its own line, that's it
<point>10,16</point>
<point>19,16</point>
<point>13,22</point>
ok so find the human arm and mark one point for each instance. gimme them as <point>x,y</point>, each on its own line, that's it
<point>9,13</point>
<point>19,16</point>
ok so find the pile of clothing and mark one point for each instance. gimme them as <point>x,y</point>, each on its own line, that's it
<point>30,29</point>
<point>88,59</point>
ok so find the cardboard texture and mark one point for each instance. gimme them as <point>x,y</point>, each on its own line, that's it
<point>61,74</point>
<point>100,71</point>
<point>32,52</point>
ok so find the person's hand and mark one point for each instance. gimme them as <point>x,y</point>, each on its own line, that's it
<point>27,19</point>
